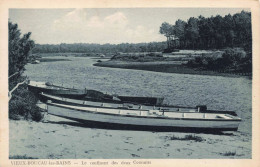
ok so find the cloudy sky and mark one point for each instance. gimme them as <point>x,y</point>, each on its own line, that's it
<point>121,25</point>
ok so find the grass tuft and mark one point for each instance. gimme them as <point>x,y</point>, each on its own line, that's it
<point>188,137</point>
<point>229,153</point>
<point>21,157</point>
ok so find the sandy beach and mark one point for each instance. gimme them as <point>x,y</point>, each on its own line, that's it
<point>71,140</point>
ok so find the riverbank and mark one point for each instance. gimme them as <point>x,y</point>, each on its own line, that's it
<point>162,66</point>
<point>71,140</point>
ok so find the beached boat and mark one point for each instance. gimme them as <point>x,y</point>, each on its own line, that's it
<point>178,118</point>
<point>88,94</point>
<point>155,118</point>
<point>202,109</point>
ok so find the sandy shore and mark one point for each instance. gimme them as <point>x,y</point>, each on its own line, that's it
<point>62,139</point>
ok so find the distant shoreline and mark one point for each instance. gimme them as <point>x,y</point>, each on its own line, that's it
<point>162,66</point>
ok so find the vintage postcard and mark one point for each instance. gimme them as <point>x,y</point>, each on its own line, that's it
<point>129,83</point>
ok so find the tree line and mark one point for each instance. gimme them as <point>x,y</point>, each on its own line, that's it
<point>210,33</point>
<point>98,48</point>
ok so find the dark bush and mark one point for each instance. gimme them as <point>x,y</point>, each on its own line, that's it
<point>18,107</point>
<point>23,105</point>
<point>36,114</point>
<point>231,60</point>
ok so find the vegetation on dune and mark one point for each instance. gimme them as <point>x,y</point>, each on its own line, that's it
<point>232,60</point>
<point>22,103</point>
<point>141,57</point>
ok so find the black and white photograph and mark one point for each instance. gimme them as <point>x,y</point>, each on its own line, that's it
<point>136,83</point>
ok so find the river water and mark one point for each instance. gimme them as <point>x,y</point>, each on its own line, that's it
<point>217,92</point>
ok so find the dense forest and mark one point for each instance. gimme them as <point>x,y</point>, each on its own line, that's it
<point>210,33</point>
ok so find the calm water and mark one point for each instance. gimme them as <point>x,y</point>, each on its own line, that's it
<point>222,93</point>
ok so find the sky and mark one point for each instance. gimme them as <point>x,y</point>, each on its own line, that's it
<point>104,25</point>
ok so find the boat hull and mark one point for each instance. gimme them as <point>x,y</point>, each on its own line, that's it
<point>143,120</point>
<point>58,91</point>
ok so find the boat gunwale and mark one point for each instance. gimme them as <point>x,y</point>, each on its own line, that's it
<point>54,88</point>
<point>88,105</point>
<point>60,99</point>
<point>147,117</point>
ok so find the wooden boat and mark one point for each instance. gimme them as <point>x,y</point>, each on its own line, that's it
<point>202,109</point>
<point>180,118</point>
<point>39,87</point>
<point>91,95</point>
<point>155,118</point>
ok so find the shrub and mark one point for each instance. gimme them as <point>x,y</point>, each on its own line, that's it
<point>232,57</point>
<point>23,105</point>
<point>139,57</point>
<point>18,107</point>
<point>36,114</point>
<point>231,60</point>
